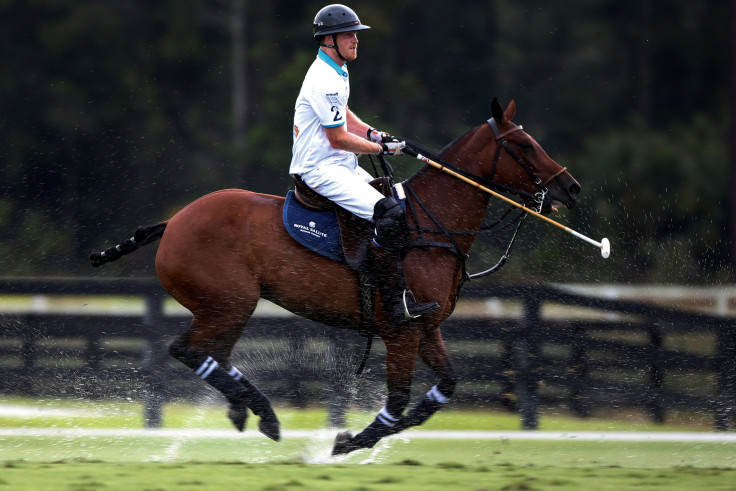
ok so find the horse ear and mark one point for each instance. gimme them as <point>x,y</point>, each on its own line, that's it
<point>496,111</point>
<point>510,110</point>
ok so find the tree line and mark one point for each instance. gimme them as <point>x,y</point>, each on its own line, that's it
<point>116,114</point>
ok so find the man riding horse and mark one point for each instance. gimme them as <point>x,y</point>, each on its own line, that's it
<point>222,253</point>
<point>327,137</point>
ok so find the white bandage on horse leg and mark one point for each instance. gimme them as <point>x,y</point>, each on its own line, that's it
<point>435,395</point>
<point>385,417</point>
<point>235,373</point>
<point>206,368</point>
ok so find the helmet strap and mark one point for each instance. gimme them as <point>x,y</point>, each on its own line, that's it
<point>333,46</point>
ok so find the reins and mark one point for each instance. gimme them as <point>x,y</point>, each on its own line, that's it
<point>416,150</point>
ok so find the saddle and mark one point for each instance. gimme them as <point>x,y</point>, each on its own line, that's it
<point>355,233</point>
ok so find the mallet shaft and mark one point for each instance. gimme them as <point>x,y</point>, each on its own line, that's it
<point>508,200</point>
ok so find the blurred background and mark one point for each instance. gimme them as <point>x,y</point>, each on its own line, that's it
<point>116,114</point>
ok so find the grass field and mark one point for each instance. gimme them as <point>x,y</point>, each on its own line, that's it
<point>58,444</point>
<point>403,476</point>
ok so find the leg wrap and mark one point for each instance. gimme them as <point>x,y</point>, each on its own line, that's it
<point>254,398</point>
<point>211,372</point>
<point>424,409</point>
<point>397,401</point>
<point>382,426</point>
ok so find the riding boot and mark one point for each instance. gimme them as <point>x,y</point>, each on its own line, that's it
<point>399,303</point>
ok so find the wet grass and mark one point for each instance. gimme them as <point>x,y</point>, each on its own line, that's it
<point>82,475</point>
<point>71,413</point>
<point>187,462</point>
<point>315,449</point>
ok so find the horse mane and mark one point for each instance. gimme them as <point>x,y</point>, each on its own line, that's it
<point>437,155</point>
<point>453,142</point>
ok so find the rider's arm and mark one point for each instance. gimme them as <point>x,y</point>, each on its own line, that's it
<point>355,125</point>
<point>344,137</point>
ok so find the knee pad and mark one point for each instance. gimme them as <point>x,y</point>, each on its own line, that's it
<point>392,232</point>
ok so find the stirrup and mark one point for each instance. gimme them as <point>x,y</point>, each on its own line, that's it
<point>424,308</point>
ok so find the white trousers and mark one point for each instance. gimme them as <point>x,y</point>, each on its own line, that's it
<point>345,187</point>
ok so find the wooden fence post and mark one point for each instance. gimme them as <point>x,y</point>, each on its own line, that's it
<point>656,375</point>
<point>336,395</point>
<point>296,392</point>
<point>579,393</point>
<point>725,412</point>
<point>28,355</point>
<point>154,357</point>
<point>508,370</point>
<point>527,365</point>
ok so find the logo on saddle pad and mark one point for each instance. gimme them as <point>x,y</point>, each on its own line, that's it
<point>311,229</point>
<point>315,230</point>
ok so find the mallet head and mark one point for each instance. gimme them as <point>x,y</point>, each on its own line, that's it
<point>605,248</point>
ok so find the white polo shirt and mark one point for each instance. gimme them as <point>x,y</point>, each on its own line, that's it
<point>322,103</point>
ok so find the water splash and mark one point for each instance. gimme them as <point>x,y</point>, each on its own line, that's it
<point>194,419</point>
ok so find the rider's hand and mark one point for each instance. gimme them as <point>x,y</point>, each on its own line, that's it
<point>379,136</point>
<point>392,147</point>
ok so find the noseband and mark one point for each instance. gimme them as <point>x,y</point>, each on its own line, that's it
<point>540,196</point>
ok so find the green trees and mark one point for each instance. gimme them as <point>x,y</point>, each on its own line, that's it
<point>114,115</point>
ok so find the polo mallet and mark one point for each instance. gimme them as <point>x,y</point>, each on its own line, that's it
<point>604,245</point>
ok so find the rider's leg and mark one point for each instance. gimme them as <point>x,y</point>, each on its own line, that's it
<point>349,189</point>
<point>391,240</point>
<point>346,187</point>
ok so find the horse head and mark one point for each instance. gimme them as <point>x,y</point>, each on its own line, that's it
<point>503,154</point>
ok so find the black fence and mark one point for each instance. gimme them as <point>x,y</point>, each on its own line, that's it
<point>549,348</point>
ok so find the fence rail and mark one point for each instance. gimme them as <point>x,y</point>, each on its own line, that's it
<point>597,353</point>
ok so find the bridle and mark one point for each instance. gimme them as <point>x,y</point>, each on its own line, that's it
<point>540,198</point>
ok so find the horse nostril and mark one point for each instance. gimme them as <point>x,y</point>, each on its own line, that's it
<point>574,189</point>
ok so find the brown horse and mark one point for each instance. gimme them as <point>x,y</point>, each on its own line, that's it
<point>224,251</point>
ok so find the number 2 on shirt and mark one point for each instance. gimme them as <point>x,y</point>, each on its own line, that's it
<point>338,116</point>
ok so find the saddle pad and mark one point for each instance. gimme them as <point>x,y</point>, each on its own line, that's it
<point>318,231</point>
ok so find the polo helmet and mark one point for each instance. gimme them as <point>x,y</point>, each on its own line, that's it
<point>334,19</point>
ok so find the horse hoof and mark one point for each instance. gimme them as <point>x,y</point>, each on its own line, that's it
<point>343,443</point>
<point>238,414</point>
<point>270,426</point>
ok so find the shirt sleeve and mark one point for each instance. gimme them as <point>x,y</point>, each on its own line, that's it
<point>330,105</point>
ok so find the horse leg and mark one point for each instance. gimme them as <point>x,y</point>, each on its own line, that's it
<point>434,354</point>
<point>401,354</point>
<point>206,349</point>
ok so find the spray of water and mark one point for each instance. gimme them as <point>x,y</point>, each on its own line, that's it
<point>336,363</point>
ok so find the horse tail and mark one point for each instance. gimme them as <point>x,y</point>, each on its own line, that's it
<point>142,236</point>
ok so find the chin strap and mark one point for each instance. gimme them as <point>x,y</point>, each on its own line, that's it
<point>333,46</point>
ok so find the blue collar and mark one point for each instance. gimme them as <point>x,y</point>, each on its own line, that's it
<point>341,70</point>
